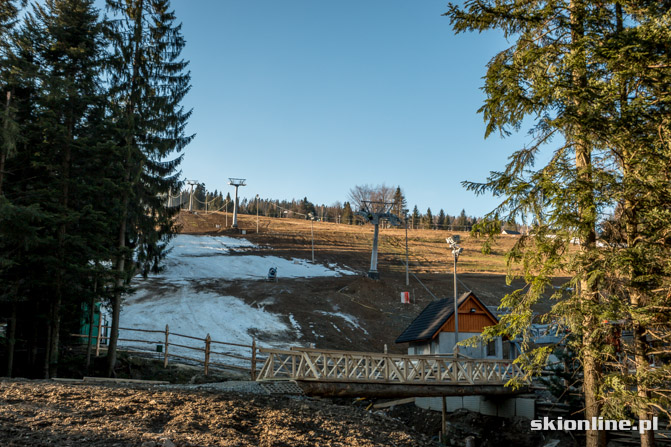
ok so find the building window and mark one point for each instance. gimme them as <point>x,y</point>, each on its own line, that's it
<point>491,348</point>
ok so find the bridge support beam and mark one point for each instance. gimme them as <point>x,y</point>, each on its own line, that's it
<point>399,390</point>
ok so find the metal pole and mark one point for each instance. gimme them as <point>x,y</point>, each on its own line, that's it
<point>226,212</point>
<point>373,273</point>
<point>312,231</point>
<point>235,209</point>
<point>191,198</point>
<point>257,214</point>
<point>407,273</point>
<point>456,310</point>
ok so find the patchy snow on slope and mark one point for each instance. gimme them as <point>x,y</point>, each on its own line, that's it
<point>348,319</point>
<point>194,245</point>
<point>193,313</point>
<point>198,257</point>
<point>294,323</point>
<point>171,298</point>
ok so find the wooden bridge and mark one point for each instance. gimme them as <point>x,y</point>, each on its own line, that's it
<point>345,373</point>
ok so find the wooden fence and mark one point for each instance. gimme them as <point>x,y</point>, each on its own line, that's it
<point>344,366</point>
<point>209,357</point>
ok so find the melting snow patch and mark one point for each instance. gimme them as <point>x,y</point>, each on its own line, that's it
<point>188,312</point>
<point>348,319</point>
<point>198,257</point>
<point>294,323</point>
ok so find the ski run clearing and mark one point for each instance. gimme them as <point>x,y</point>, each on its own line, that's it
<point>174,297</point>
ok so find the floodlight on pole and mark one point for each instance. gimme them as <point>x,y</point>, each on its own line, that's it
<point>226,212</point>
<point>453,242</point>
<point>257,214</point>
<point>312,233</point>
<point>407,268</point>
<point>236,182</point>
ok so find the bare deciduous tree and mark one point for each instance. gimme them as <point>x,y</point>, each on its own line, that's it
<point>362,193</point>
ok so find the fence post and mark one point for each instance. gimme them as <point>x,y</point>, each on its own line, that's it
<point>208,340</point>
<point>165,351</point>
<point>100,329</point>
<point>253,359</point>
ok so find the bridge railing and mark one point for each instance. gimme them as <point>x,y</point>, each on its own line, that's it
<point>346,366</point>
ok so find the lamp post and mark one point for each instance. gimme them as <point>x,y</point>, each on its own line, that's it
<point>407,271</point>
<point>453,242</point>
<point>257,214</point>
<point>226,212</point>
<point>312,233</point>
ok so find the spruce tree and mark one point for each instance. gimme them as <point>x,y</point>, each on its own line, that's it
<point>57,56</point>
<point>427,220</point>
<point>9,11</point>
<point>568,71</point>
<point>347,215</point>
<point>415,218</point>
<point>399,202</point>
<point>149,81</point>
<point>461,221</point>
<point>441,220</point>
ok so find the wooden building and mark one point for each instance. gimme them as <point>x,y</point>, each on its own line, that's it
<point>432,332</point>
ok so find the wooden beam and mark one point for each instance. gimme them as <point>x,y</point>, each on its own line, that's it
<point>393,391</point>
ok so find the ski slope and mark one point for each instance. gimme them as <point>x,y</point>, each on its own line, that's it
<point>173,298</point>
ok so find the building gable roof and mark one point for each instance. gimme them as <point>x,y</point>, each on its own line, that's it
<point>434,317</point>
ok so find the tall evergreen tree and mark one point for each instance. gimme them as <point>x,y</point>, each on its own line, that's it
<point>57,59</point>
<point>399,202</point>
<point>149,81</point>
<point>347,215</point>
<point>415,218</point>
<point>427,220</point>
<point>566,70</point>
<point>461,221</point>
<point>440,223</point>
<point>8,134</point>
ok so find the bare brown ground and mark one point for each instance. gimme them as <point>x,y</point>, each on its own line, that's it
<point>34,413</point>
<point>375,304</point>
<point>428,250</point>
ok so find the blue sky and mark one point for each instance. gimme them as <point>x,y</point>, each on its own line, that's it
<point>309,98</point>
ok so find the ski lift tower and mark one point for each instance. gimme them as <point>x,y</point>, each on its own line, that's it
<point>374,212</point>
<point>192,183</point>
<point>237,182</point>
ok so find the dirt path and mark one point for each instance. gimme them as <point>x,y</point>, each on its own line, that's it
<point>39,413</point>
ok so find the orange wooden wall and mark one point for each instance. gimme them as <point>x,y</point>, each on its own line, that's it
<point>470,321</point>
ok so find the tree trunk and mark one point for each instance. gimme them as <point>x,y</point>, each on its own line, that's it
<point>592,368</point>
<point>637,300</point>
<point>47,346</point>
<point>130,181</point>
<point>11,341</point>
<point>3,151</point>
<point>62,231</point>
<point>116,299</point>
<point>92,303</point>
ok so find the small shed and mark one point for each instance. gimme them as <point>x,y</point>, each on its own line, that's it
<point>432,332</point>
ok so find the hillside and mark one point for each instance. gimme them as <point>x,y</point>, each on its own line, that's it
<point>428,251</point>
<point>214,283</point>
